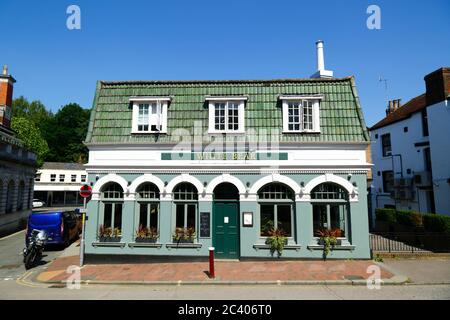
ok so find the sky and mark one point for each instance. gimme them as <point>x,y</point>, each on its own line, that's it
<point>182,40</point>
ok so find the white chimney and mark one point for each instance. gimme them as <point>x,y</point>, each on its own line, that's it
<point>321,72</point>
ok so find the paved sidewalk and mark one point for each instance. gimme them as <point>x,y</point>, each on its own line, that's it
<point>331,271</point>
<point>427,270</point>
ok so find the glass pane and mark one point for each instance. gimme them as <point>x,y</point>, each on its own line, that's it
<point>319,218</point>
<point>267,219</point>
<point>179,222</point>
<point>143,215</point>
<point>118,216</point>
<point>191,216</point>
<point>107,215</point>
<point>337,217</point>
<point>154,216</point>
<point>284,221</point>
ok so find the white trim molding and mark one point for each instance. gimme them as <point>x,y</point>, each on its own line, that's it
<point>112,177</point>
<point>275,178</point>
<point>146,178</point>
<point>184,178</point>
<point>149,98</point>
<point>225,177</point>
<point>352,191</point>
<point>226,98</point>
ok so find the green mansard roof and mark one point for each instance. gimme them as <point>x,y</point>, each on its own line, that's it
<point>341,118</point>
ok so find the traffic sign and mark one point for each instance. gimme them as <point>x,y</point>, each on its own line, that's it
<point>85,191</point>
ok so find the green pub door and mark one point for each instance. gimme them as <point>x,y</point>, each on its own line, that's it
<point>226,230</point>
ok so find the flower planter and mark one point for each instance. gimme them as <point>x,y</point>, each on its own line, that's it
<point>322,242</point>
<point>182,241</point>
<point>145,240</point>
<point>109,239</point>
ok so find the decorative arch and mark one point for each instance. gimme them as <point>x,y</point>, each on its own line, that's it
<point>329,178</point>
<point>112,177</point>
<point>225,178</point>
<point>146,178</point>
<point>184,178</point>
<point>275,178</point>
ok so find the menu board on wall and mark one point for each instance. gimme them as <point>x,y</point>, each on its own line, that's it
<point>205,224</point>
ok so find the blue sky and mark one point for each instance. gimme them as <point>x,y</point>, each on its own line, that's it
<point>140,40</point>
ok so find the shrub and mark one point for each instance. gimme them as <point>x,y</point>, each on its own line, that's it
<point>409,218</point>
<point>436,223</point>
<point>387,215</point>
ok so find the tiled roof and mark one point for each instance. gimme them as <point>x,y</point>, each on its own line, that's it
<point>63,166</point>
<point>341,119</point>
<point>414,105</point>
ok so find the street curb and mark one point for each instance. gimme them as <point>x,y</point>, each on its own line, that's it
<point>396,280</point>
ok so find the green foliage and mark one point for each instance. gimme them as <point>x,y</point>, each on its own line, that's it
<point>387,215</point>
<point>31,137</point>
<point>276,240</point>
<point>64,132</point>
<point>408,218</point>
<point>378,258</point>
<point>329,239</point>
<point>436,222</point>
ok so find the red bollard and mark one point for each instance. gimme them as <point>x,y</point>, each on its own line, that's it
<point>211,263</point>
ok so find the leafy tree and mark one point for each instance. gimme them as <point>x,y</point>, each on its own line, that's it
<point>31,136</point>
<point>65,134</point>
<point>34,111</point>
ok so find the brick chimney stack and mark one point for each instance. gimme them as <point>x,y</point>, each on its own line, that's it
<point>393,106</point>
<point>6,94</point>
<point>438,85</point>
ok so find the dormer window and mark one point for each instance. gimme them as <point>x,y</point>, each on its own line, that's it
<point>149,114</point>
<point>226,114</point>
<point>301,114</point>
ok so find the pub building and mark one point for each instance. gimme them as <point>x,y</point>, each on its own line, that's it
<point>177,167</point>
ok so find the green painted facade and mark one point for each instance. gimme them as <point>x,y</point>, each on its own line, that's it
<point>341,122</point>
<point>302,245</point>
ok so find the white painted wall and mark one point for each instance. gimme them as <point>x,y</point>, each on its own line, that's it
<point>439,120</point>
<point>413,158</point>
<point>45,183</point>
<point>316,156</point>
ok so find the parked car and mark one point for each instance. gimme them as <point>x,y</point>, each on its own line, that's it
<point>61,226</point>
<point>38,203</point>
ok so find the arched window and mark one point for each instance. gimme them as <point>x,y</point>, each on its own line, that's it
<point>276,203</point>
<point>148,205</point>
<point>110,228</point>
<point>185,197</point>
<point>330,209</point>
<point>20,194</point>
<point>9,196</point>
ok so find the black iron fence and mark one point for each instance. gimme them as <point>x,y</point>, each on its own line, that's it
<point>410,242</point>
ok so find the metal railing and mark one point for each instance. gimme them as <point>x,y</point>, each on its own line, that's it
<point>410,242</point>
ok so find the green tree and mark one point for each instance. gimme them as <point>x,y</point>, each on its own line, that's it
<point>66,132</point>
<point>31,136</point>
<point>34,111</point>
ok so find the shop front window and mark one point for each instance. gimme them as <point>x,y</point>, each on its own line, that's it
<point>185,197</point>
<point>148,203</point>
<point>276,209</point>
<point>330,209</point>
<point>110,228</point>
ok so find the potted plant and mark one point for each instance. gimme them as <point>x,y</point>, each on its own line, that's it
<point>277,240</point>
<point>144,234</point>
<point>329,239</point>
<point>184,235</point>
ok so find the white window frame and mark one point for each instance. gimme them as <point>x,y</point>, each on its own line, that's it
<point>315,100</point>
<point>162,103</point>
<point>226,100</point>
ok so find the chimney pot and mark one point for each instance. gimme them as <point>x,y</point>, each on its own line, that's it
<point>5,70</point>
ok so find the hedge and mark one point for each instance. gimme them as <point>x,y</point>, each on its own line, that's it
<point>387,215</point>
<point>436,222</point>
<point>430,222</point>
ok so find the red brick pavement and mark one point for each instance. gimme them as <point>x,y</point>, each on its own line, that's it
<point>225,270</point>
